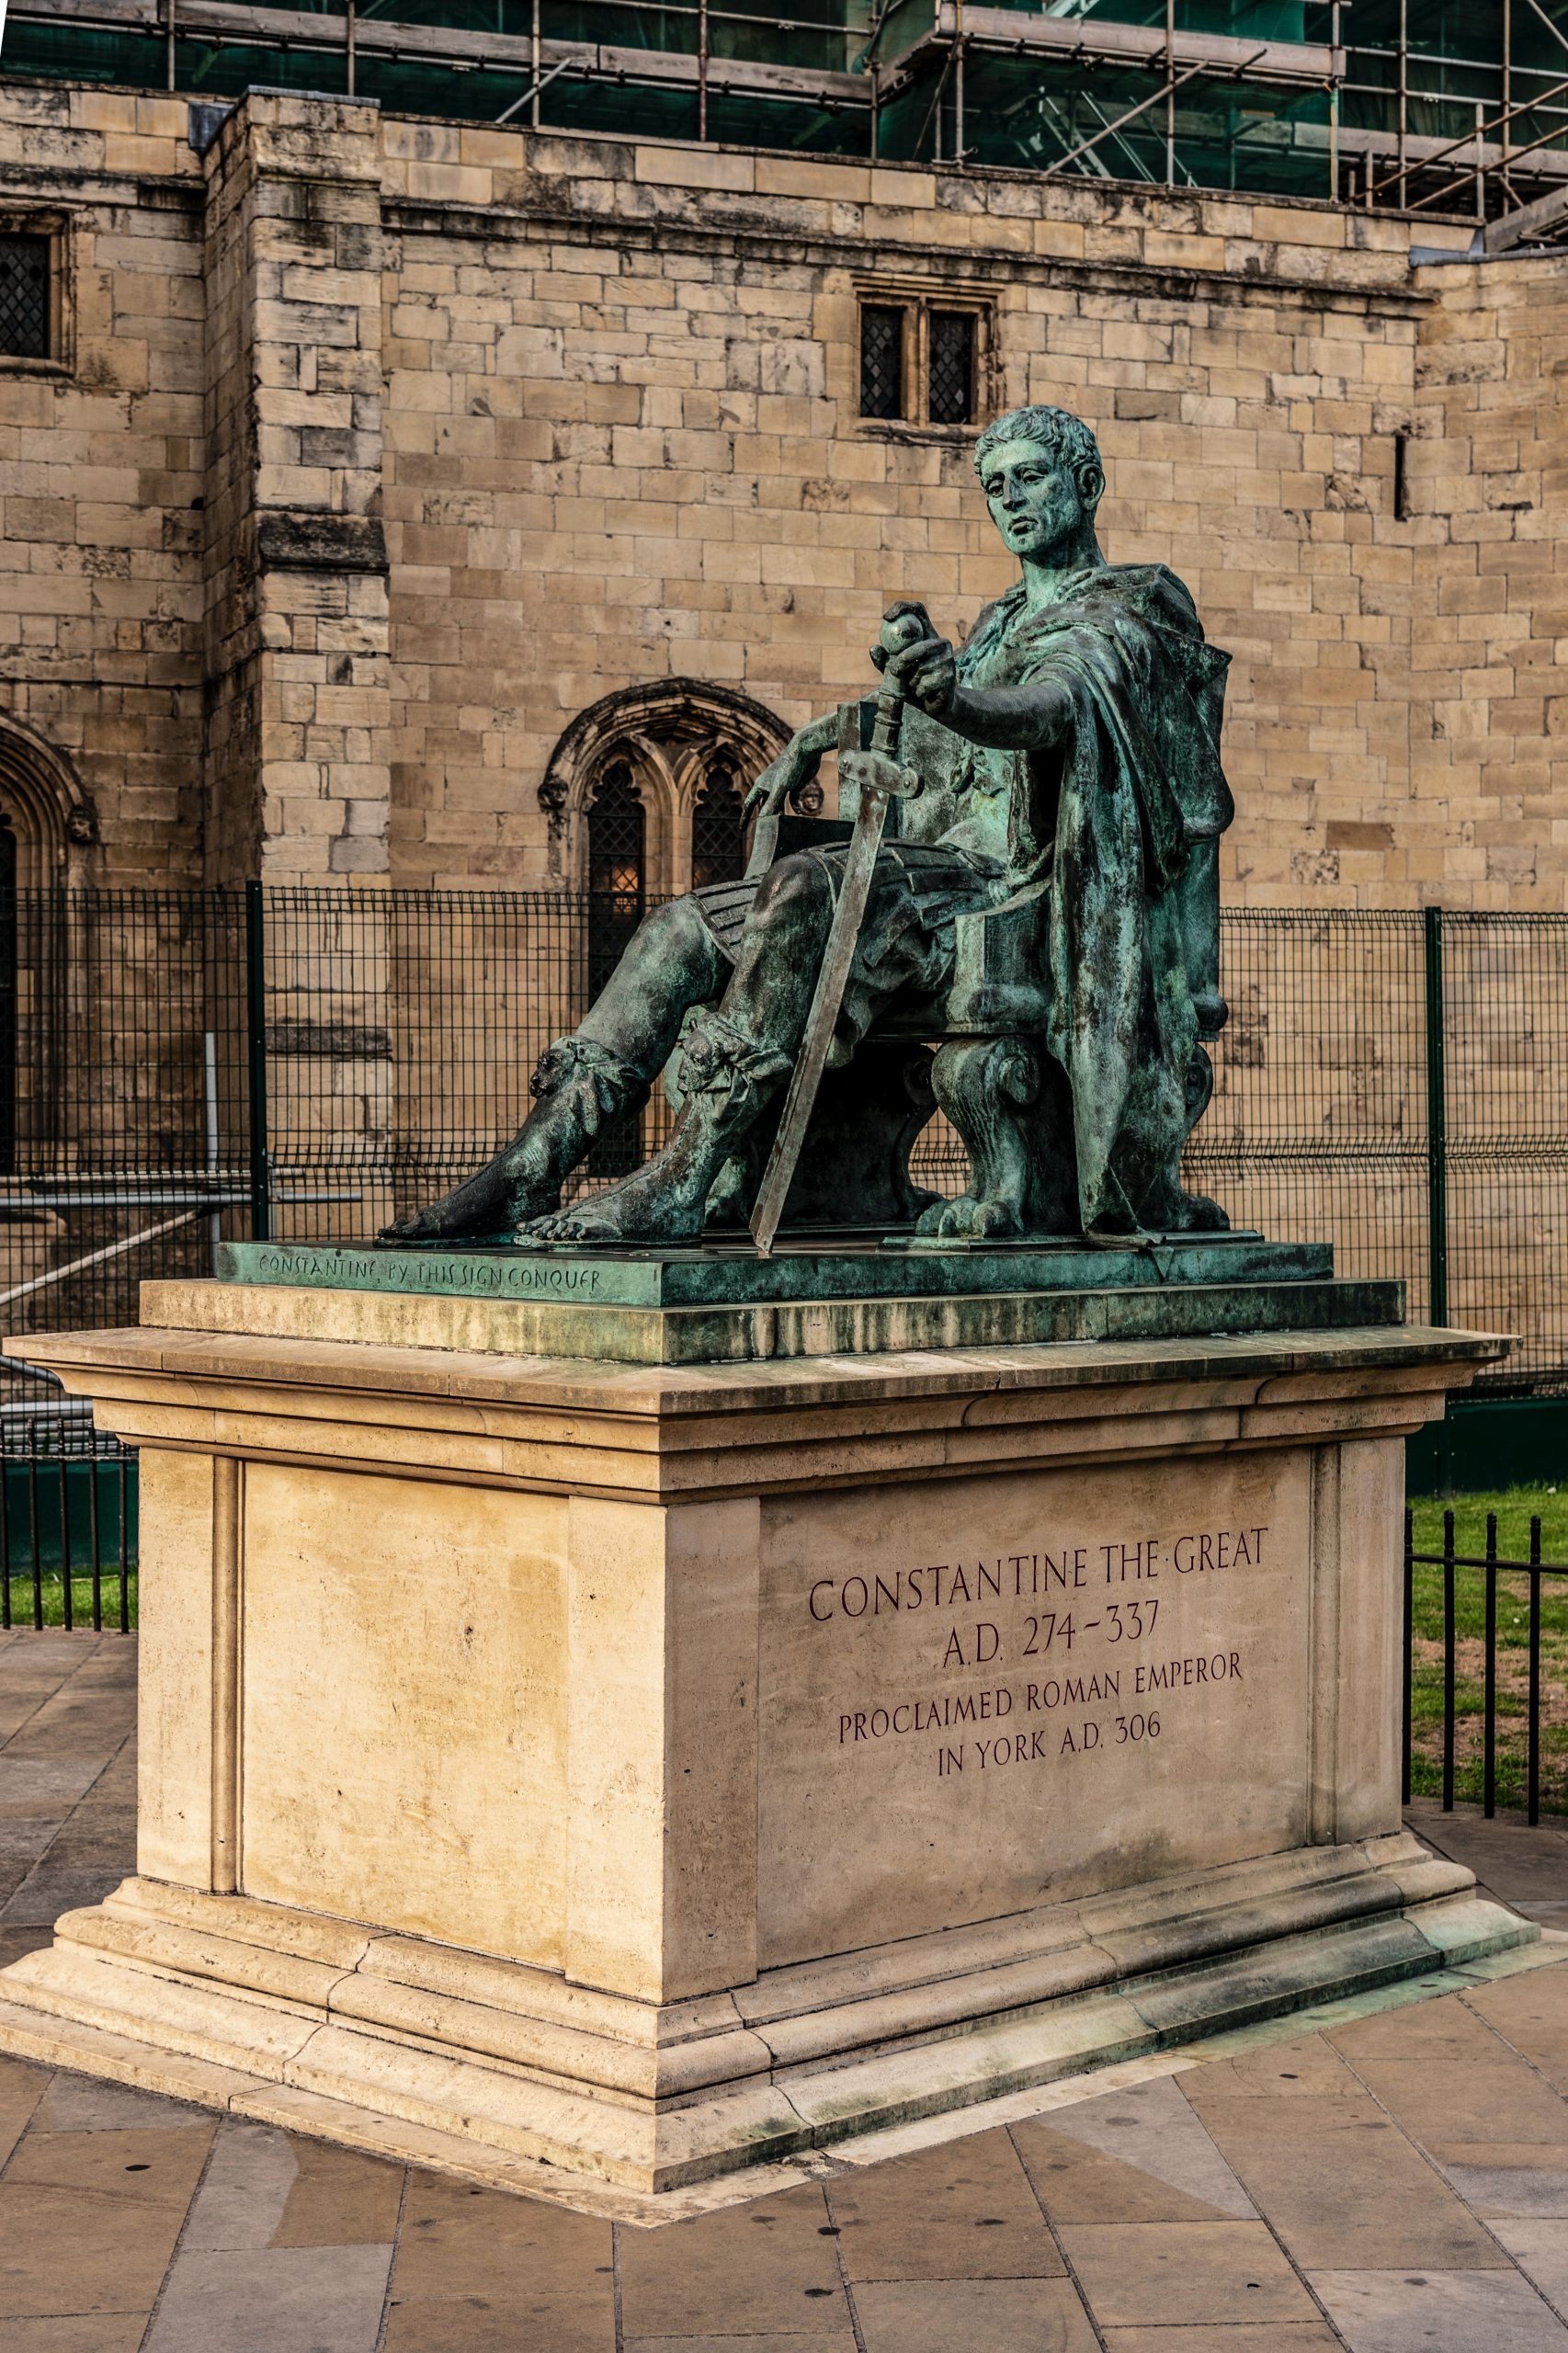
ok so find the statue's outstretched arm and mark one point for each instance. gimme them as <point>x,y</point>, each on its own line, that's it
<point>1007,719</point>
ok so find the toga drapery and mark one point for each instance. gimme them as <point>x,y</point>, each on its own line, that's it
<point>1108,817</point>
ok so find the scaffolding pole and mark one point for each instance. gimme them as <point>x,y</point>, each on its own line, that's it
<point>1170,92</point>
<point>1404,93</point>
<point>1130,115</point>
<point>958,91</point>
<point>1395,87</point>
<point>1508,91</point>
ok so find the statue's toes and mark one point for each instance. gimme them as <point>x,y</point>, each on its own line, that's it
<point>563,1225</point>
<point>405,1229</point>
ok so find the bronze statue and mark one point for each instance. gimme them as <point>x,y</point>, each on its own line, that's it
<point>1034,940</point>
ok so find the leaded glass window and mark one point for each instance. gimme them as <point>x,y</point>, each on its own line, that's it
<point>925,362</point>
<point>618,832</point>
<point>952,368</point>
<point>881,360</point>
<point>24,297</point>
<point>718,850</point>
<point>617,826</point>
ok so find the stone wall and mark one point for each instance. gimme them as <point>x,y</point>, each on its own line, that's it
<point>296,563</point>
<point>101,474</point>
<point>1488,717</point>
<point>622,441</point>
<point>596,399</point>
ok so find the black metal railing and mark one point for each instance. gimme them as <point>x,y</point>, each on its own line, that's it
<point>1466,1674</point>
<point>68,1526</point>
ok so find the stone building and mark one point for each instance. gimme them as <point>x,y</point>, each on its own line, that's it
<point>387,499</point>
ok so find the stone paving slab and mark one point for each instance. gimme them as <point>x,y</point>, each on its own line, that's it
<point>1388,2175</point>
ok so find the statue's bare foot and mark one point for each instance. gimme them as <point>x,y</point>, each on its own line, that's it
<point>658,1203</point>
<point>488,1207</point>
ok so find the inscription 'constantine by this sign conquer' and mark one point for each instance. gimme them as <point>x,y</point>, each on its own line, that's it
<point>1074,1635</point>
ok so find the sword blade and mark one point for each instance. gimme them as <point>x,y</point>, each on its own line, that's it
<point>822,1020</point>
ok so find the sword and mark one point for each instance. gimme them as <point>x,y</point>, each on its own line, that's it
<point>880,780</point>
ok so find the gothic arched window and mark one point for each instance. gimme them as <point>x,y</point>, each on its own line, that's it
<point>653,777</point>
<point>618,841</point>
<point>618,832</point>
<point>718,844</point>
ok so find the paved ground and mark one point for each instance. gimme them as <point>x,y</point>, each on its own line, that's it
<point>1389,2178</point>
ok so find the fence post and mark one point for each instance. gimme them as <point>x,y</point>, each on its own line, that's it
<point>255,1040</point>
<point>1437,1164</point>
<point>1437,1127</point>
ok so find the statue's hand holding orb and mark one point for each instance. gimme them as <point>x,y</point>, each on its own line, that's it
<point>911,655</point>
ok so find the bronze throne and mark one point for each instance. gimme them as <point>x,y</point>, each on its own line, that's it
<point>977,1053</point>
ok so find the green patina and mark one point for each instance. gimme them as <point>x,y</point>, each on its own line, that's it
<point>712,1277</point>
<point>1021,930</point>
<point>664,1308</point>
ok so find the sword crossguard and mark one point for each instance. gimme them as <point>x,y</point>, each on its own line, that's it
<point>875,771</point>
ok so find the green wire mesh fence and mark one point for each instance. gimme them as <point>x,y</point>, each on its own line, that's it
<point>181,1068</point>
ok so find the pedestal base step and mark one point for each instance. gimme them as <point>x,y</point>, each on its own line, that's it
<point>500,2072</point>
<point>713,1305</point>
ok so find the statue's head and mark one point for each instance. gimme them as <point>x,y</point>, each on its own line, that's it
<point>1041,471</point>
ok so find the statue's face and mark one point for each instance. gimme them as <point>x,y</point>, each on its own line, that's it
<point>1037,501</point>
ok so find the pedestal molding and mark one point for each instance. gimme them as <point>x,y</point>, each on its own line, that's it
<point>651,2098</point>
<point>697,1433</point>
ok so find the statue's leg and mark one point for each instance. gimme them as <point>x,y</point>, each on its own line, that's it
<point>582,1082</point>
<point>734,1061</point>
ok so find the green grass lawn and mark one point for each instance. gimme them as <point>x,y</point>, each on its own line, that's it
<point>52,1593</point>
<point>1514,1508</point>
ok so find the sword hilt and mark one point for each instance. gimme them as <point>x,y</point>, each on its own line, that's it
<point>887,722</point>
<point>903,631</point>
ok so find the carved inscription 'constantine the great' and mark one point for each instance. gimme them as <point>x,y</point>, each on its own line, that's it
<point>1035,1699</point>
<point>1062,1627</point>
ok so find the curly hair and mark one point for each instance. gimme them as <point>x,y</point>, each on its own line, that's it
<point>1056,429</point>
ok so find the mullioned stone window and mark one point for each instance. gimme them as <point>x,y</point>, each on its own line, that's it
<point>925,355</point>
<point>34,319</point>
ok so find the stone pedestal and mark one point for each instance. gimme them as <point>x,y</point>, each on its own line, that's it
<point>651,1770</point>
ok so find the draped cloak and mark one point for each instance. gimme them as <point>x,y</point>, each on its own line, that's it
<point>1104,824</point>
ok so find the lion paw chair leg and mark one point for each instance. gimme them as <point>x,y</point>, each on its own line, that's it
<point>1009,1101</point>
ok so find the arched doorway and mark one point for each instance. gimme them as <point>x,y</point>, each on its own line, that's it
<point>10,1005</point>
<point>47,832</point>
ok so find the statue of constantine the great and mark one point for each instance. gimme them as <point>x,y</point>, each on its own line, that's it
<point>1029,888</point>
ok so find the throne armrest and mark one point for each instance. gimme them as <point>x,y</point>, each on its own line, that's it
<point>1001,980</point>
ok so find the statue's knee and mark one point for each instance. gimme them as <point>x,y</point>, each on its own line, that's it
<point>795,885</point>
<point>671,930</point>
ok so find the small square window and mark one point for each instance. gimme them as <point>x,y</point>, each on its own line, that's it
<point>952,368</point>
<point>922,362</point>
<point>25,297</point>
<point>881,360</point>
